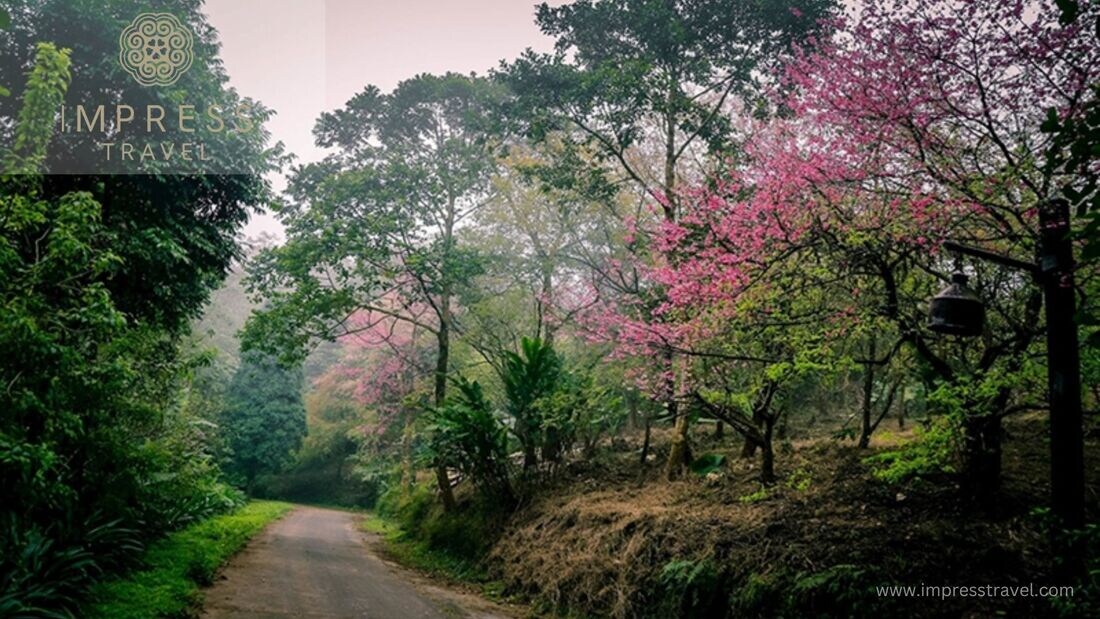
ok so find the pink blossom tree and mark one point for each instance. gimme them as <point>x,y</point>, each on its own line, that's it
<point>912,124</point>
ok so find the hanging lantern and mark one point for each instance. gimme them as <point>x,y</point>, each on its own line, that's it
<point>956,310</point>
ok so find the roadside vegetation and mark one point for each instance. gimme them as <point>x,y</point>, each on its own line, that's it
<point>109,408</point>
<point>611,538</point>
<point>174,569</point>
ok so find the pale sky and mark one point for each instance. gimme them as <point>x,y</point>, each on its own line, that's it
<point>303,57</point>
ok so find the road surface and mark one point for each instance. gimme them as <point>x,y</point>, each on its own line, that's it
<point>314,564</point>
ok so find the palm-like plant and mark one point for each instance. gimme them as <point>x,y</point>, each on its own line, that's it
<point>466,435</point>
<point>527,378</point>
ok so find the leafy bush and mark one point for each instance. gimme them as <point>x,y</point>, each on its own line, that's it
<point>420,555</point>
<point>933,452</point>
<point>176,566</point>
<point>464,434</point>
<point>579,410</point>
<point>451,543</point>
<point>46,571</point>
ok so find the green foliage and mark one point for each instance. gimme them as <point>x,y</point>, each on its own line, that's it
<point>407,506</point>
<point>83,445</point>
<point>552,407</point>
<point>419,555</point>
<point>707,464</point>
<point>933,452</point>
<point>378,216</point>
<point>264,416</point>
<point>527,377</point>
<point>46,569</point>
<point>619,64</point>
<point>465,434</point>
<point>45,90</point>
<point>690,589</point>
<point>800,480</point>
<point>453,544</point>
<point>837,591</point>
<point>175,235</point>
<point>176,566</point>
<point>1085,601</point>
<point>580,410</point>
<point>755,497</point>
<point>101,437</point>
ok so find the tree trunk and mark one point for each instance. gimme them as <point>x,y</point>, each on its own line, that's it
<point>444,482</point>
<point>530,458</point>
<point>868,391</point>
<point>441,365</point>
<point>902,409</point>
<point>547,290</point>
<point>645,441</point>
<point>408,472</point>
<point>679,456</point>
<point>719,431</point>
<point>982,457</point>
<point>748,449</point>
<point>767,454</point>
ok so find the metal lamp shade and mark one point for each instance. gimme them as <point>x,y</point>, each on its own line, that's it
<point>956,310</point>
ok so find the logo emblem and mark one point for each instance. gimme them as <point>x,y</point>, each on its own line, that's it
<point>156,49</point>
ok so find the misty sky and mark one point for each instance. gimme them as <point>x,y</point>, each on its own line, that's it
<point>303,57</point>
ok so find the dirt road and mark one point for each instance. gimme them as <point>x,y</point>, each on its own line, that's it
<point>315,563</point>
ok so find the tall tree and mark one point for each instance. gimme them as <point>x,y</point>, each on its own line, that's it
<point>647,86</point>
<point>373,228</point>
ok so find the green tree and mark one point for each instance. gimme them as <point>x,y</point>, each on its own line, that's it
<point>372,229</point>
<point>264,417</point>
<point>175,234</point>
<point>91,448</point>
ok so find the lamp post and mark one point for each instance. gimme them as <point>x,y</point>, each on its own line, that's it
<point>953,311</point>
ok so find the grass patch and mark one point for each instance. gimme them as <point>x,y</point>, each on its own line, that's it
<point>420,556</point>
<point>178,565</point>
